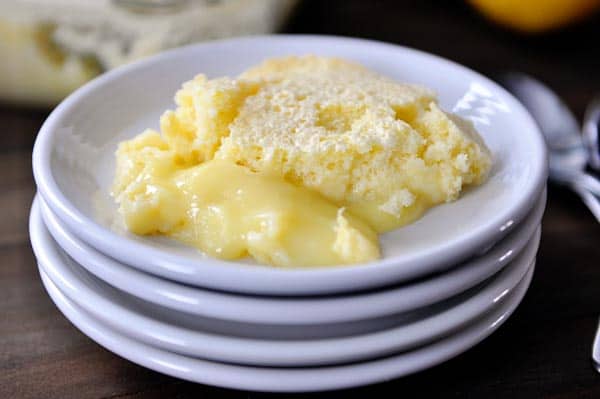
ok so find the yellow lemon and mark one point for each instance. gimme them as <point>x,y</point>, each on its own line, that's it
<point>535,16</point>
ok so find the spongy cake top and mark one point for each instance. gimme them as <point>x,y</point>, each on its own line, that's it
<point>321,105</point>
<point>383,149</point>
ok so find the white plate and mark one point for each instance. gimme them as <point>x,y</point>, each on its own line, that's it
<point>287,379</point>
<point>73,164</point>
<point>278,310</point>
<point>155,327</point>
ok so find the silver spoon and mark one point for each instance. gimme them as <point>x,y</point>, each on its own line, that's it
<point>568,155</point>
<point>591,125</point>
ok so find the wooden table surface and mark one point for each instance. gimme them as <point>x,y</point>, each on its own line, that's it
<point>542,351</point>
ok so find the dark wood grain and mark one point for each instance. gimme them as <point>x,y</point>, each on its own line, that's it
<point>541,352</point>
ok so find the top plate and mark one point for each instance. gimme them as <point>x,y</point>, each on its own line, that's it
<point>73,163</point>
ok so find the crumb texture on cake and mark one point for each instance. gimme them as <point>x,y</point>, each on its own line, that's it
<point>297,161</point>
<point>383,149</point>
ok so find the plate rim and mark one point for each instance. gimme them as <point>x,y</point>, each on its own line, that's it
<point>285,310</point>
<point>268,352</point>
<point>278,379</point>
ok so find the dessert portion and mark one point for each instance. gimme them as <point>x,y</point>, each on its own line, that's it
<point>298,161</point>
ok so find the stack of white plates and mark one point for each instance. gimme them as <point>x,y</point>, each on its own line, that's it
<point>444,283</point>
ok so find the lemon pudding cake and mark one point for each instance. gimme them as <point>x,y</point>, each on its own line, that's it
<point>299,161</point>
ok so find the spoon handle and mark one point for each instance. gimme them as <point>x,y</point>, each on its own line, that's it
<point>591,132</point>
<point>596,349</point>
<point>588,182</point>
<point>592,202</point>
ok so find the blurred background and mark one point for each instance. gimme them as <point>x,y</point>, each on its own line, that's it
<point>50,47</point>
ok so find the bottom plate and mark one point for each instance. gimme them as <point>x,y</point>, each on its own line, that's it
<point>178,333</point>
<point>288,379</point>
